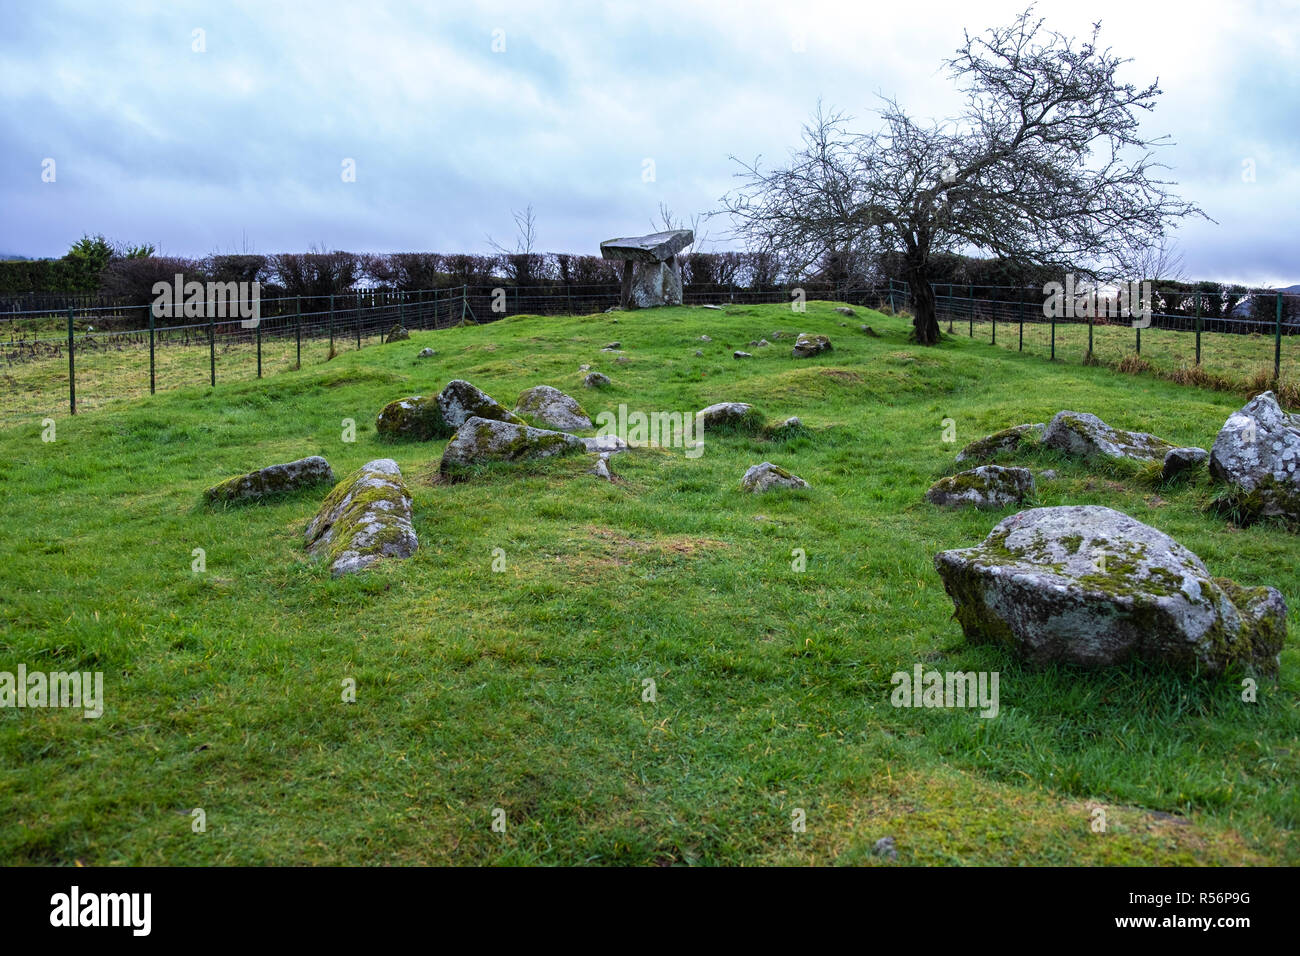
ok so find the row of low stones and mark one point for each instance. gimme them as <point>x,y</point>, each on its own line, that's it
<point>1092,586</point>
<point>367,516</point>
<point>1257,451</point>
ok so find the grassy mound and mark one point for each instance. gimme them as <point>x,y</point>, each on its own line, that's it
<point>509,663</point>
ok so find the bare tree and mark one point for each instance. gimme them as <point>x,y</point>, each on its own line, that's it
<point>523,264</point>
<point>1045,167</point>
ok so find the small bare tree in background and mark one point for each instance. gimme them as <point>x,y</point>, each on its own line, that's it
<point>523,265</point>
<point>1045,167</point>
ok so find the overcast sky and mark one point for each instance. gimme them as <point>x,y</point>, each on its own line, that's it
<point>243,145</point>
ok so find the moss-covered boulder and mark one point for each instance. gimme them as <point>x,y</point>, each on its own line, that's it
<point>366,517</point>
<point>765,477</point>
<point>1003,442</point>
<point>481,441</point>
<point>806,345</point>
<point>460,401</point>
<point>398,334</point>
<point>418,418</point>
<point>1084,435</point>
<point>421,418</point>
<point>1257,452</point>
<point>988,486</point>
<point>277,479</point>
<point>1090,586</point>
<point>551,407</point>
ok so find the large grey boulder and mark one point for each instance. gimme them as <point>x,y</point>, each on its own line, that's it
<point>764,477</point>
<point>988,486</point>
<point>483,440</point>
<point>422,418</point>
<point>552,407</point>
<point>1091,586</point>
<point>273,480</point>
<point>1258,451</point>
<point>807,345</point>
<point>366,517</point>
<point>1007,440</point>
<point>1085,435</point>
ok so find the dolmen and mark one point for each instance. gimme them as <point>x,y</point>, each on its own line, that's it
<point>652,273</point>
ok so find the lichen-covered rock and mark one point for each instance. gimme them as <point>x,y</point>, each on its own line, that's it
<point>483,440</point>
<point>1007,440</point>
<point>366,517</point>
<point>426,353</point>
<point>460,401</point>
<point>988,486</point>
<point>421,418</point>
<point>1258,451</point>
<point>552,407</point>
<point>740,355</point>
<point>1086,435</point>
<point>845,310</point>
<point>868,330</point>
<point>612,347</point>
<point>1181,460</point>
<point>705,338</point>
<point>1091,586</point>
<point>807,345</point>
<point>727,415</point>
<point>273,480</point>
<point>398,334</point>
<point>760,478</point>
<point>596,380</point>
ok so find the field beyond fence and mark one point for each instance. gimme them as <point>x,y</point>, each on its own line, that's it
<point>62,361</point>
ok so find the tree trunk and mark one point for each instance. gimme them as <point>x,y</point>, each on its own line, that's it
<point>925,324</point>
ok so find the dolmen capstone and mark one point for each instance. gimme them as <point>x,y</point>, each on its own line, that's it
<point>1090,586</point>
<point>652,273</point>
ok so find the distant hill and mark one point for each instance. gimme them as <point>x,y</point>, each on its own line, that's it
<point>7,257</point>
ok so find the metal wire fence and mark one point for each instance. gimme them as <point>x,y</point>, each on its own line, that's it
<point>1254,339</point>
<point>84,355</point>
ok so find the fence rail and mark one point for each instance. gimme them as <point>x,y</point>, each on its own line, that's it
<point>115,351</point>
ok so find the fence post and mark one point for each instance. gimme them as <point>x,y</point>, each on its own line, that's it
<point>331,324</point>
<point>153,377</point>
<point>1198,328</point>
<point>72,369</point>
<point>1053,355</point>
<point>994,315</point>
<point>1138,343</point>
<point>1277,341</point>
<point>892,310</point>
<point>464,302</point>
<point>212,345</point>
<point>297,325</point>
<point>259,348</point>
<point>1090,324</point>
<point>950,308</point>
<point>971,293</point>
<point>1021,316</point>
<point>358,298</point>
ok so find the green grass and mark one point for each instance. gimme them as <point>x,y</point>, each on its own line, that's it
<point>522,690</point>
